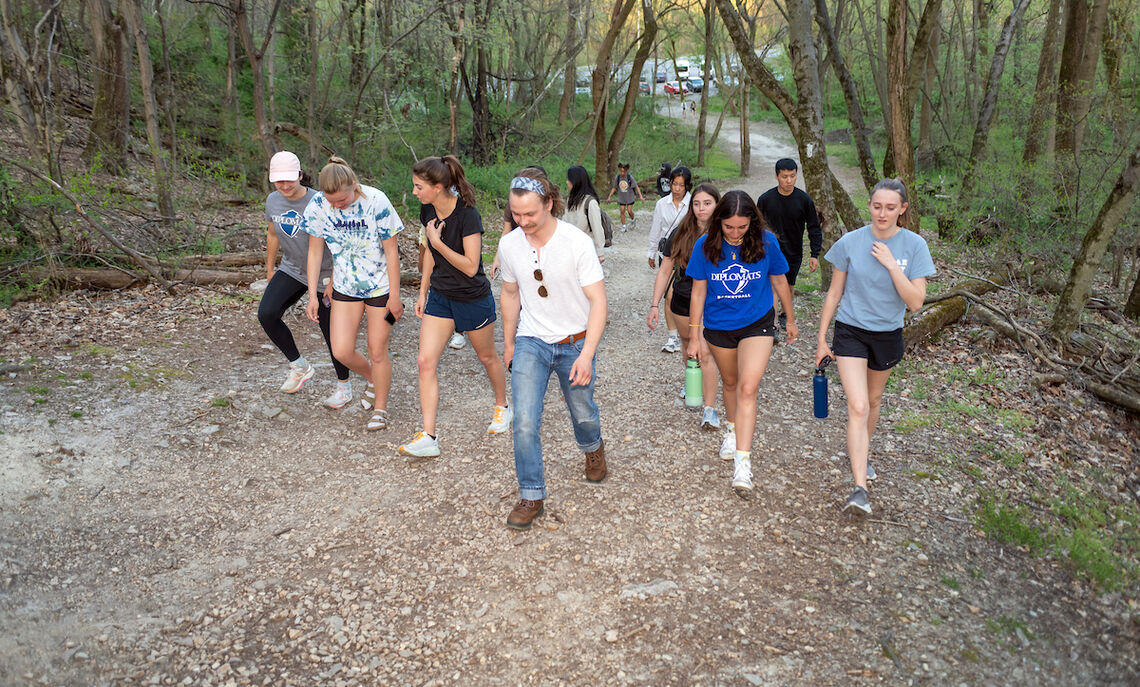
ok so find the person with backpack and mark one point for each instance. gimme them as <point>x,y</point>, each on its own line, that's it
<point>667,215</point>
<point>583,209</point>
<point>626,187</point>
<point>663,177</point>
<point>671,275</point>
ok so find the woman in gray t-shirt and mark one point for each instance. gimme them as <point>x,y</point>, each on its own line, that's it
<point>284,209</point>
<point>880,273</point>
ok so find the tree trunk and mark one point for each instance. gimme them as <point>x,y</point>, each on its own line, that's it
<point>109,119</point>
<point>315,156</point>
<point>745,140</point>
<point>1132,308</point>
<point>706,76</point>
<point>1045,94</point>
<point>27,87</point>
<point>255,55</point>
<point>600,84</point>
<point>931,320</point>
<point>457,45</point>
<point>168,104</point>
<point>900,115</point>
<point>574,41</point>
<point>805,115</point>
<point>850,96</point>
<point>926,112</point>
<point>132,12</point>
<point>621,126</point>
<point>1115,40</point>
<point>1072,300</point>
<point>989,103</point>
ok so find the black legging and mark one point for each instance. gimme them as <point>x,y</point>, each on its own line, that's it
<point>280,295</point>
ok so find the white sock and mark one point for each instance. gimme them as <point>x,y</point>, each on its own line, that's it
<point>300,362</point>
<point>672,333</point>
<point>345,384</point>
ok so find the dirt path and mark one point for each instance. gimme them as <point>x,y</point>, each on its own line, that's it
<point>168,517</point>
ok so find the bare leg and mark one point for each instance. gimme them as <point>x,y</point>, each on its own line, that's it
<point>434,333</point>
<point>726,363</point>
<point>859,384</point>
<point>483,341</point>
<point>752,357</point>
<point>344,324</point>
<point>378,332</point>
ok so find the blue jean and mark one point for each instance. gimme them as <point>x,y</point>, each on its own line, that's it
<point>530,373</point>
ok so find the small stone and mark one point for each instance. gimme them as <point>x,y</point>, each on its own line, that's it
<point>211,429</point>
<point>611,636</point>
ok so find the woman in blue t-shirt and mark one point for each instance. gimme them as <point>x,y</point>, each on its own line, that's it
<point>455,295</point>
<point>880,272</point>
<point>735,268</point>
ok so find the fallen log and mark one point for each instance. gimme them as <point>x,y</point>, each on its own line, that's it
<point>940,313</point>
<point>87,278</point>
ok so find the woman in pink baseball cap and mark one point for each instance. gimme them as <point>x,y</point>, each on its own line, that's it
<point>285,209</point>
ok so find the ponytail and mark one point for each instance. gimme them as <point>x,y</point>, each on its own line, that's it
<point>447,172</point>
<point>337,176</point>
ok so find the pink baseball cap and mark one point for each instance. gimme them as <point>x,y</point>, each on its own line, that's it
<point>284,166</point>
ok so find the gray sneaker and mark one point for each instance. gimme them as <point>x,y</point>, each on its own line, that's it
<point>858,501</point>
<point>710,420</point>
<point>870,472</point>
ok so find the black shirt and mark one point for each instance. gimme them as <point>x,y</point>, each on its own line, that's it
<point>682,283</point>
<point>446,278</point>
<point>787,216</point>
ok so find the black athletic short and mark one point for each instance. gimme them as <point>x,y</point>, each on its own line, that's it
<point>765,326</point>
<point>374,302</point>
<point>883,350</point>
<point>678,304</point>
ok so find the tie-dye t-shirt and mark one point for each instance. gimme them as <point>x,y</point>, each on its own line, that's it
<point>353,236</point>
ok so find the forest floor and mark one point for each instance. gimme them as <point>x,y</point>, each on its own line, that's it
<point>168,517</point>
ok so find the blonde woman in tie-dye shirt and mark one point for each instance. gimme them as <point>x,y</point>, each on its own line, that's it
<point>359,226</point>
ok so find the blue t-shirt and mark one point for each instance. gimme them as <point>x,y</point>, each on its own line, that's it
<point>870,300</point>
<point>738,293</point>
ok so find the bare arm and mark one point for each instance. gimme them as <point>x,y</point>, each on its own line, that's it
<point>830,306</point>
<point>313,274</point>
<point>583,368</point>
<point>912,291</point>
<point>466,262</point>
<point>696,312</point>
<point>271,245</point>
<point>659,285</point>
<point>509,304</point>
<point>392,262</point>
<point>425,282</point>
<point>784,293</point>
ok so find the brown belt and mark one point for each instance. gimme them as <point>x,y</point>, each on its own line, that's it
<point>572,338</point>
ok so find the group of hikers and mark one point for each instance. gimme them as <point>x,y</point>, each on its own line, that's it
<point>723,262</point>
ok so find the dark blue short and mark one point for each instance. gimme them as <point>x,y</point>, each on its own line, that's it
<point>468,317</point>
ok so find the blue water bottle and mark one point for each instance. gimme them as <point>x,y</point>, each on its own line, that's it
<point>819,387</point>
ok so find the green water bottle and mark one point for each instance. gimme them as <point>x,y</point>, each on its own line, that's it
<point>693,397</point>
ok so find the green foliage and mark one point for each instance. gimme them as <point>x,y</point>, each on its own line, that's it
<point>1011,523</point>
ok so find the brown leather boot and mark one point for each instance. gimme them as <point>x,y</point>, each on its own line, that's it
<point>596,464</point>
<point>524,513</point>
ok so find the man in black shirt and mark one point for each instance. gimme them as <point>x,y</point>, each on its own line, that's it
<point>788,211</point>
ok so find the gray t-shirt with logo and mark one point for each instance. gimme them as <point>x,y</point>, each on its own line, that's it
<point>286,216</point>
<point>870,300</point>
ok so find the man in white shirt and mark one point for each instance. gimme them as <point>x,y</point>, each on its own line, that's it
<point>554,311</point>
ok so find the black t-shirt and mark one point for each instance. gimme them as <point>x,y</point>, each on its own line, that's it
<point>787,216</point>
<point>682,283</point>
<point>663,185</point>
<point>446,278</point>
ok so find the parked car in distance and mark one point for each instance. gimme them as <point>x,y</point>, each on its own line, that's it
<point>696,84</point>
<point>674,88</point>
<point>643,86</point>
<point>661,76</point>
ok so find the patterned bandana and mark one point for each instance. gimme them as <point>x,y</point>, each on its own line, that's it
<point>529,184</point>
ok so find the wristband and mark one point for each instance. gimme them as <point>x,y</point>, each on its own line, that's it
<point>694,325</point>
<point>653,306</point>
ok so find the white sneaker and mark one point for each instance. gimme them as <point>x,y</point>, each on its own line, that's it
<point>339,398</point>
<point>422,446</point>
<point>710,420</point>
<point>672,344</point>
<point>870,473</point>
<point>297,377</point>
<point>742,477</point>
<point>457,341</point>
<point>728,446</point>
<point>501,420</point>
